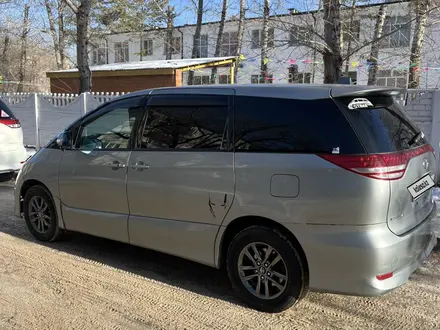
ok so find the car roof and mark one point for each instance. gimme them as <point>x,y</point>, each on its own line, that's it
<point>293,91</point>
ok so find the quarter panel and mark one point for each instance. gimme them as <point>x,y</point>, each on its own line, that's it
<point>327,194</point>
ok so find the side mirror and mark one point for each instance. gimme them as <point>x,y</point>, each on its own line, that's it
<point>63,140</point>
<point>90,144</point>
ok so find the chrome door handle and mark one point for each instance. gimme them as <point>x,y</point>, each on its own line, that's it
<point>116,165</point>
<point>140,166</point>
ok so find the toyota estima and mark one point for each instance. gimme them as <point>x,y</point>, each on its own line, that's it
<point>289,188</point>
<point>12,150</point>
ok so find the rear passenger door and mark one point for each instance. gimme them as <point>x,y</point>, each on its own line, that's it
<point>180,181</point>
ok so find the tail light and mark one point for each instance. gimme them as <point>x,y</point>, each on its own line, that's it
<point>12,123</point>
<point>390,166</point>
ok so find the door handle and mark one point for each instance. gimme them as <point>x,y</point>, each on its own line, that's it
<point>115,165</point>
<point>140,166</point>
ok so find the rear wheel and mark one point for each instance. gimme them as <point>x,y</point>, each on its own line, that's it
<point>266,270</point>
<point>40,214</point>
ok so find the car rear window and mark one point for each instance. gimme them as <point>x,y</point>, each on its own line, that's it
<point>281,125</point>
<point>383,126</point>
<point>5,112</point>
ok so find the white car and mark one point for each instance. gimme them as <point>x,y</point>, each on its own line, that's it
<point>12,150</point>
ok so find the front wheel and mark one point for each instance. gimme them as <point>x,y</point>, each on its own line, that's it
<point>40,214</point>
<point>266,270</point>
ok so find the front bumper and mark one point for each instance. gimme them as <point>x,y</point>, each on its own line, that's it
<point>347,259</point>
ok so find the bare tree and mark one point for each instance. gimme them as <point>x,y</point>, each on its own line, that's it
<point>23,53</point>
<point>349,35</point>
<point>5,59</point>
<point>421,9</point>
<point>218,43</point>
<point>374,53</point>
<point>169,45</point>
<point>264,40</point>
<point>82,12</point>
<point>241,20</point>
<point>332,35</point>
<point>196,41</point>
<point>62,35</point>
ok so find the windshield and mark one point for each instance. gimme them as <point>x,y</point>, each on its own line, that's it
<point>385,127</point>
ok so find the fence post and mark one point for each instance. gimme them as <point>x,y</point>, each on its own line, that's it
<point>435,130</point>
<point>37,120</point>
<point>83,103</point>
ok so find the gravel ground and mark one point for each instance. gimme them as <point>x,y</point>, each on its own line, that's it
<point>83,282</point>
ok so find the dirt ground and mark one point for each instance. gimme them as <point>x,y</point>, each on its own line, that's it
<point>83,282</point>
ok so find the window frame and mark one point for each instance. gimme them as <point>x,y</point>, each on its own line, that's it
<point>148,42</point>
<point>192,98</point>
<point>174,50</point>
<point>229,44</point>
<point>101,111</point>
<point>270,38</point>
<point>392,23</point>
<point>122,48</point>
<point>201,45</point>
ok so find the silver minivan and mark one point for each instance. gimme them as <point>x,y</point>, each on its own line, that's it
<point>290,188</point>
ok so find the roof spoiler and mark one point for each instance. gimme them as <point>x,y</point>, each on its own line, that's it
<point>343,91</point>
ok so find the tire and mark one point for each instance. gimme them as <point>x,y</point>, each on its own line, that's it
<point>295,287</point>
<point>50,231</point>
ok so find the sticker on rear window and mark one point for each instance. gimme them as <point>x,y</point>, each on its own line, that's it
<point>359,103</point>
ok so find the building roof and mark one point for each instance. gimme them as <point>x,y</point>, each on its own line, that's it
<point>187,64</point>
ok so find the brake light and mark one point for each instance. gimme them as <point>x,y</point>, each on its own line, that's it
<point>12,123</point>
<point>390,166</point>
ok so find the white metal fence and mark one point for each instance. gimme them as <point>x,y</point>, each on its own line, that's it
<point>44,115</point>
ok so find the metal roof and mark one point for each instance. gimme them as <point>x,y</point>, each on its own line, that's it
<point>153,65</point>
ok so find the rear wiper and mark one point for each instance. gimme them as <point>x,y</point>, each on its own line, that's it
<point>415,138</point>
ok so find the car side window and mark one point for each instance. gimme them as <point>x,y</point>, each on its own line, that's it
<point>113,128</point>
<point>186,122</point>
<point>264,124</point>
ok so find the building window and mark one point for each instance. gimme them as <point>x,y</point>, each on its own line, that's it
<point>257,38</point>
<point>202,80</point>
<point>100,54</point>
<point>304,78</point>
<point>224,79</point>
<point>148,47</point>
<point>351,32</point>
<point>259,79</point>
<point>392,78</point>
<point>121,52</point>
<point>203,46</point>
<point>299,35</point>
<point>229,44</point>
<point>175,46</point>
<point>401,37</point>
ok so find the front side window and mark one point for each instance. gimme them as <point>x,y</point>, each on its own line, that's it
<point>112,129</point>
<point>264,124</point>
<point>186,123</point>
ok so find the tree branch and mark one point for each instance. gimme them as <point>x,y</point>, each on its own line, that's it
<point>72,6</point>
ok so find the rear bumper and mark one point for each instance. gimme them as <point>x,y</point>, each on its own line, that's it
<point>347,259</point>
<point>11,160</point>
